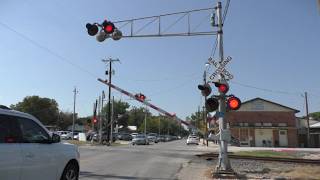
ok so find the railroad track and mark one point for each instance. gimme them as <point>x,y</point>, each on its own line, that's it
<point>288,160</point>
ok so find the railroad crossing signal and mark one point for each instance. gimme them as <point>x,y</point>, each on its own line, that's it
<point>107,30</point>
<point>212,103</point>
<point>221,68</point>
<point>205,89</point>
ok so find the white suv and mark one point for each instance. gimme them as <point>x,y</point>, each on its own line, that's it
<point>28,151</point>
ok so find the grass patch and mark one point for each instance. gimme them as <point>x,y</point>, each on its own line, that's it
<point>81,143</point>
<point>118,144</point>
<point>272,154</point>
<point>78,143</point>
<point>303,172</point>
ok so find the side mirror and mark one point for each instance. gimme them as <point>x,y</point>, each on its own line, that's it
<point>55,138</point>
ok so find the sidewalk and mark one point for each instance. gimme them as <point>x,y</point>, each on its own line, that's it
<point>215,148</point>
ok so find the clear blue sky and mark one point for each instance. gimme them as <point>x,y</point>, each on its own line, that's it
<point>274,45</point>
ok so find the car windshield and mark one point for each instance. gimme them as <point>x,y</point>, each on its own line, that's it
<point>160,90</point>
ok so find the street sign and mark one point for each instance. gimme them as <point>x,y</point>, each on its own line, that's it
<point>221,68</point>
<point>219,114</point>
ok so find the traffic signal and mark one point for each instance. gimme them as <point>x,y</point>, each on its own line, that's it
<point>205,89</point>
<point>233,103</point>
<point>102,36</point>
<point>95,120</point>
<point>108,27</point>
<point>212,104</point>
<point>140,97</point>
<point>117,35</point>
<point>223,87</point>
<point>92,29</point>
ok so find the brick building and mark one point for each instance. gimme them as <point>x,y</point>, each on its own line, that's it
<point>260,122</point>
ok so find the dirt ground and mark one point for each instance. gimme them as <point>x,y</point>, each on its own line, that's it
<point>200,168</point>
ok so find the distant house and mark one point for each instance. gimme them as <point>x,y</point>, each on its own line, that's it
<point>315,135</point>
<point>262,123</point>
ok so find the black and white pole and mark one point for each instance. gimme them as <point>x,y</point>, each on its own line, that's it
<point>224,163</point>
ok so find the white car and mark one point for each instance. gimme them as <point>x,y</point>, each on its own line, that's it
<point>192,139</point>
<point>134,135</point>
<point>29,152</point>
<point>65,134</point>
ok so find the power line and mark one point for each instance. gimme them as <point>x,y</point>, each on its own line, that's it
<point>47,50</point>
<point>214,47</point>
<point>266,90</point>
<point>166,78</point>
<point>225,11</point>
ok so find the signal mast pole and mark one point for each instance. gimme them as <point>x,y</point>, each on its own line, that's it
<point>224,163</point>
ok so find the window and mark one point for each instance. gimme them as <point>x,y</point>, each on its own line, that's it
<point>267,124</point>
<point>282,124</point>
<point>32,132</point>
<point>9,131</point>
<point>257,124</point>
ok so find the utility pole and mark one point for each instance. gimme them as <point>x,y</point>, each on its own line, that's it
<point>112,119</point>
<point>100,108</point>
<point>159,126</point>
<point>145,121</point>
<point>198,119</point>
<point>224,162</point>
<point>110,61</point>
<point>74,110</point>
<point>101,116</point>
<point>307,116</point>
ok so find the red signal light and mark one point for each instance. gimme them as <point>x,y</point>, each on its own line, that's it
<point>223,88</point>
<point>233,103</point>
<point>95,120</point>
<point>109,28</point>
<point>142,97</point>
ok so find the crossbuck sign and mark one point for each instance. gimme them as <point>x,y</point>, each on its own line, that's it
<point>221,68</point>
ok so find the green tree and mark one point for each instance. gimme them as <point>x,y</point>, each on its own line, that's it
<point>65,119</point>
<point>196,119</point>
<point>136,116</point>
<point>45,109</point>
<point>315,115</point>
<point>120,110</point>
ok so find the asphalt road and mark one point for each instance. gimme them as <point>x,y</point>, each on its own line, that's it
<point>157,161</point>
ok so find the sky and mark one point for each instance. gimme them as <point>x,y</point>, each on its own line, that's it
<point>46,51</point>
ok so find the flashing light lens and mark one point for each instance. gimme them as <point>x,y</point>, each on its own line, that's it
<point>109,28</point>
<point>223,88</point>
<point>234,103</point>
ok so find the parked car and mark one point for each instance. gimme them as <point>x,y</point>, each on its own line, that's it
<point>140,139</point>
<point>161,138</point>
<point>90,135</point>
<point>168,138</point>
<point>29,151</point>
<point>104,137</point>
<point>75,135</point>
<point>152,137</point>
<point>125,136</point>
<point>192,139</point>
<point>65,135</point>
<point>133,135</point>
